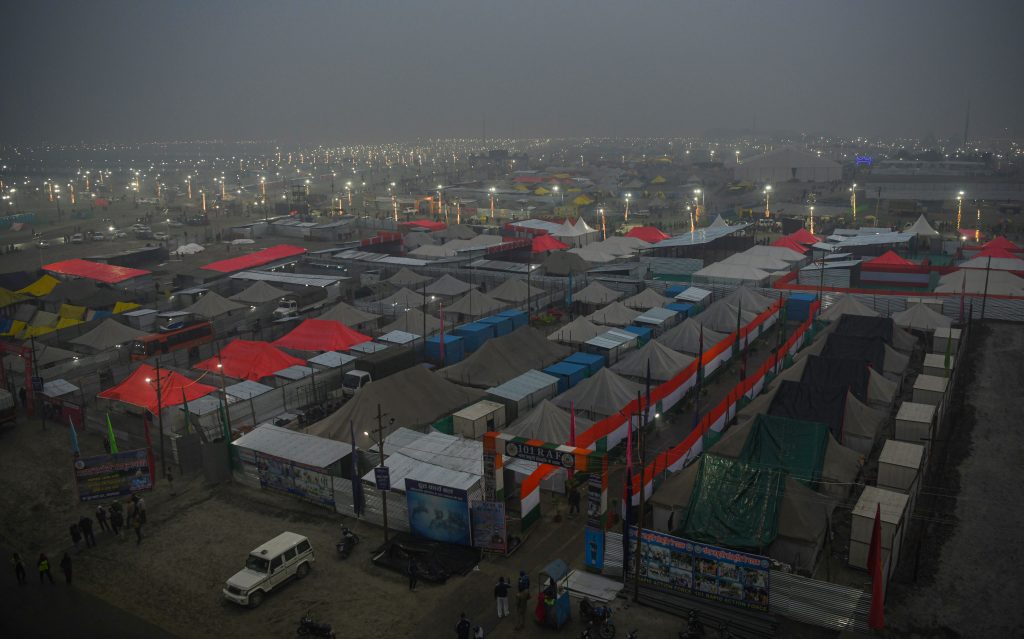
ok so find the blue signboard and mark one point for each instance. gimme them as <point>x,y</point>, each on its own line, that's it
<point>382,476</point>
<point>489,526</point>
<point>709,572</point>
<point>438,512</point>
<point>114,475</point>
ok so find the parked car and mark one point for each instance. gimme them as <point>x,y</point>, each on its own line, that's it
<point>77,238</point>
<point>161,236</point>
<point>97,236</point>
<point>43,243</point>
<point>118,235</point>
<point>268,566</point>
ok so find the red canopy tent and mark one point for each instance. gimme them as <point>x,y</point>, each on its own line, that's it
<point>252,260</point>
<point>135,390</point>
<point>649,234</point>
<point>996,253</point>
<point>791,244</point>
<point>1001,242</point>
<point>543,243</point>
<point>321,335</point>
<point>889,258</point>
<point>423,224</point>
<point>98,271</point>
<point>804,236</point>
<point>243,359</point>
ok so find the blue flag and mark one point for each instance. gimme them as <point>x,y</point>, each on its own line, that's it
<point>74,437</point>
<point>358,500</point>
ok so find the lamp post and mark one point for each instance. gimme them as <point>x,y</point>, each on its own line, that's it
<point>492,192</point>
<point>853,201</point>
<point>348,191</point>
<point>625,217</point>
<point>160,416</point>
<point>959,210</point>
<point>812,219</point>
<point>767,201</point>
<point>604,227</point>
<point>439,206</point>
<point>700,208</point>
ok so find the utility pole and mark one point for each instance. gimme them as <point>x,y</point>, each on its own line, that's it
<point>984,295</point>
<point>160,418</point>
<point>640,518</point>
<point>36,400</point>
<point>224,392</point>
<point>380,447</point>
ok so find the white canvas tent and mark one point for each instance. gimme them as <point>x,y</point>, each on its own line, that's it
<point>977,281</point>
<point>615,314</point>
<point>577,331</point>
<point>663,362</point>
<point>922,318</point>
<point>600,395</point>
<point>922,228</point>
<point>596,293</point>
<point>548,423</point>
<point>685,337</point>
<point>645,299</point>
<point>847,305</point>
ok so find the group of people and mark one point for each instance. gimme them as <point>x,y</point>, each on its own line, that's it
<point>465,629</point>
<point>117,518</point>
<point>43,564</point>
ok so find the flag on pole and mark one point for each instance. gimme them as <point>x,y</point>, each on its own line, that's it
<point>572,433</point>
<point>877,620</point>
<point>739,314</point>
<point>110,435</point>
<point>74,438</point>
<point>700,379</point>
<point>627,501</point>
<point>441,313</point>
<point>568,292</point>
<point>358,499</point>
<point>963,291</point>
<point>188,418</point>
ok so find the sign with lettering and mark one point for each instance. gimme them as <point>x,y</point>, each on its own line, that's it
<point>438,512</point>
<point>541,454</point>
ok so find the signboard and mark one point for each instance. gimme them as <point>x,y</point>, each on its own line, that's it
<point>438,512</point>
<point>540,454</point>
<point>489,526</point>
<point>490,483</point>
<point>114,475</point>
<point>595,501</point>
<point>594,539</point>
<point>382,476</point>
<point>700,570</point>
<point>37,383</point>
<point>295,479</point>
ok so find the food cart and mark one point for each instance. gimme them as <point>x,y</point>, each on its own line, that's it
<point>553,607</point>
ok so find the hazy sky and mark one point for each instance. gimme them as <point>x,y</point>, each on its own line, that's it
<point>380,70</point>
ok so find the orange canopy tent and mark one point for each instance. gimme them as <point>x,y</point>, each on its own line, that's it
<point>243,359</point>
<point>321,335</point>
<point>175,389</point>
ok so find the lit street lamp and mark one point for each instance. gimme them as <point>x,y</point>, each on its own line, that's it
<point>812,220</point>
<point>625,217</point>
<point>853,201</point>
<point>959,210</point>
<point>493,191</point>
<point>768,200</point>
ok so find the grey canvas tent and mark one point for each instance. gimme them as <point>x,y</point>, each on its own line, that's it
<point>563,263</point>
<point>686,337</point>
<point>664,362</point>
<point>847,305</point>
<point>349,315</point>
<point>259,293</point>
<point>600,395</point>
<point>411,321</point>
<point>448,286</point>
<point>475,304</point>
<point>401,299</point>
<point>596,294</point>
<point>748,300</point>
<point>721,317</point>
<point>413,398</point>
<point>213,305</point>
<point>513,290</point>
<point>645,299</point>
<point>108,334</point>
<point>615,314</point>
<point>406,278</point>
<point>502,358</point>
<point>577,331</point>
<point>922,318</point>
<point>548,423</point>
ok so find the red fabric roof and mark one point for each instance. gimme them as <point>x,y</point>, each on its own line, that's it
<point>996,253</point>
<point>98,271</point>
<point>804,236</point>
<point>135,390</point>
<point>243,359</point>
<point>545,242</point>
<point>650,234</point>
<point>788,242</point>
<point>424,224</point>
<point>252,260</point>
<point>889,258</point>
<point>321,335</point>
<point>1001,242</point>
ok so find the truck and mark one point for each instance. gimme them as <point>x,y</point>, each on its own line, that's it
<point>7,410</point>
<point>300,303</point>
<point>354,380</point>
<point>385,362</point>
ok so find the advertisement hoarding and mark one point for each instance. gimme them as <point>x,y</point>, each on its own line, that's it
<point>295,479</point>
<point>438,512</point>
<point>114,475</point>
<point>709,572</point>
<point>489,526</point>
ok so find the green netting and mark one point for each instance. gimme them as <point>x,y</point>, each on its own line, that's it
<point>793,446</point>
<point>444,425</point>
<point>734,504</point>
<point>711,438</point>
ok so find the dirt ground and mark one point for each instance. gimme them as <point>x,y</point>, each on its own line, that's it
<point>972,510</point>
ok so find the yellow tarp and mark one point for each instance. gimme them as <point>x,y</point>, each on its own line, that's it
<point>17,326</point>
<point>71,312</point>
<point>582,200</point>
<point>540,190</point>
<point>41,287</point>
<point>65,322</point>
<point>562,176</point>
<point>663,160</point>
<point>521,187</point>
<point>36,331</point>
<point>658,180</point>
<point>123,307</point>
<point>9,297</point>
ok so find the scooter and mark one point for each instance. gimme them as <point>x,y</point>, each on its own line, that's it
<point>599,616</point>
<point>309,628</point>
<point>694,628</point>
<point>348,541</point>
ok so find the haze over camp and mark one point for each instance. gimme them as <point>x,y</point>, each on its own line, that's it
<point>592,319</point>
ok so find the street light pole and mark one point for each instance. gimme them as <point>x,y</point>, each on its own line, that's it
<point>380,447</point>
<point>853,201</point>
<point>959,210</point>
<point>160,417</point>
<point>767,201</point>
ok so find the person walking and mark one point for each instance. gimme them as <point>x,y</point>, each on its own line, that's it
<point>137,525</point>
<point>574,501</point>
<point>413,573</point>
<point>117,520</point>
<point>170,484</point>
<point>524,581</point>
<point>522,603</point>
<point>44,568</point>
<point>76,535</point>
<point>501,597</point>
<point>19,568</point>
<point>463,628</point>
<point>85,524</point>
<point>101,517</point>
<point>140,509</point>
<point>65,567</point>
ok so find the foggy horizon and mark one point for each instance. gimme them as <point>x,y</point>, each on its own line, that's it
<point>122,72</point>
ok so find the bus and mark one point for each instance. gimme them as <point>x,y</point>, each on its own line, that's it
<point>188,336</point>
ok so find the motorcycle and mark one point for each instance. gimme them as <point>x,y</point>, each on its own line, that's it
<point>599,616</point>
<point>694,628</point>
<point>348,541</point>
<point>309,628</point>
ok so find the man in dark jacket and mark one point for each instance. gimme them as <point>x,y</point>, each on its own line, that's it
<point>85,524</point>
<point>463,628</point>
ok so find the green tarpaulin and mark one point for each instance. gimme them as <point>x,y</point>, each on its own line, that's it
<point>734,504</point>
<point>796,447</point>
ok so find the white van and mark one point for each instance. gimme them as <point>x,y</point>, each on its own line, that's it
<point>268,566</point>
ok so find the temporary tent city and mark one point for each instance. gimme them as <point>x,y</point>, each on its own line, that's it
<point>243,359</point>
<point>686,337</point>
<point>502,358</point>
<point>662,362</point>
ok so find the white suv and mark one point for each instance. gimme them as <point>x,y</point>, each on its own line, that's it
<point>268,566</point>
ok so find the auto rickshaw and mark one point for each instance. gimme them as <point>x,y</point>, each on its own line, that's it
<point>553,607</point>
